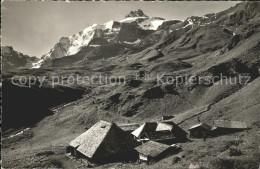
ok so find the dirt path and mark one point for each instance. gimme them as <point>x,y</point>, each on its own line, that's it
<point>196,114</point>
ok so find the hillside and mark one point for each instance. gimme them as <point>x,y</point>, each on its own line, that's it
<point>149,52</point>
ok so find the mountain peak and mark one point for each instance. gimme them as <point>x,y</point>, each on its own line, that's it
<point>6,49</point>
<point>137,13</point>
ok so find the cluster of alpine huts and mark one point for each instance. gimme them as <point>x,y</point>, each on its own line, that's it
<point>107,142</point>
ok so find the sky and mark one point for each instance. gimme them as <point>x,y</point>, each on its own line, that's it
<point>33,28</point>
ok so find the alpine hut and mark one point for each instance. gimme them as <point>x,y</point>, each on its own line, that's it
<point>222,127</point>
<point>104,142</point>
<point>167,117</point>
<point>146,127</point>
<point>152,151</point>
<point>179,134</point>
<point>129,127</point>
<point>200,130</point>
<point>160,131</point>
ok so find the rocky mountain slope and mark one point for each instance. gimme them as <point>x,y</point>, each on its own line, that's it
<point>213,46</point>
<point>138,32</point>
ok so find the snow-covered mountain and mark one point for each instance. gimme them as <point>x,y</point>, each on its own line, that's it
<point>128,30</point>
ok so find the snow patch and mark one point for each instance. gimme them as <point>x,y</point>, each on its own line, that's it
<point>37,64</point>
<point>147,24</point>
<point>94,45</point>
<point>10,63</point>
<point>131,19</point>
<point>151,24</point>
<point>109,24</point>
<point>19,133</point>
<point>135,42</point>
<point>190,23</point>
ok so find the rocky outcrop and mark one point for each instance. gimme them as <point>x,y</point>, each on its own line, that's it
<point>152,55</point>
<point>167,24</point>
<point>134,83</point>
<point>60,49</point>
<point>154,92</point>
<point>138,13</point>
<point>112,100</point>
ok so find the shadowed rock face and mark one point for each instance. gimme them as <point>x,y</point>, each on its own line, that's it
<point>23,106</point>
<point>61,48</point>
<point>131,32</point>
